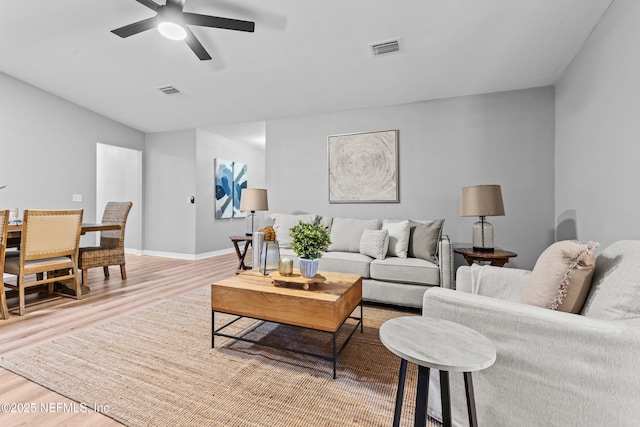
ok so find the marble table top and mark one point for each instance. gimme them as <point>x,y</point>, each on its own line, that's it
<point>438,344</point>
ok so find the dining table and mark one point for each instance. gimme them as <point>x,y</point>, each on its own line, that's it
<point>14,233</point>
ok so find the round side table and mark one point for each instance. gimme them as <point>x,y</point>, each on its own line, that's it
<point>436,344</point>
<point>497,258</point>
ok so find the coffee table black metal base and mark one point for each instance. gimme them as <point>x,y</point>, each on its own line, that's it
<point>336,350</point>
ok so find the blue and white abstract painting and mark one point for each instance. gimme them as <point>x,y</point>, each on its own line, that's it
<point>239,184</point>
<point>231,179</point>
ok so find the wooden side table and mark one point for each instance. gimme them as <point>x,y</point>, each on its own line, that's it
<point>436,344</point>
<point>241,254</point>
<point>497,258</point>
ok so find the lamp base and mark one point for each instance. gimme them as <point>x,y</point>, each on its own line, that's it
<point>250,222</point>
<point>483,236</point>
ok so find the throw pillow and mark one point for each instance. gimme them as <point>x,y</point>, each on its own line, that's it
<point>283,222</point>
<point>398,237</point>
<point>346,233</point>
<point>374,243</point>
<point>423,242</point>
<point>561,278</point>
<point>615,286</point>
<point>325,221</point>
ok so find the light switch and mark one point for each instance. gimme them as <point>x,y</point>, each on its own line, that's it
<point>77,197</point>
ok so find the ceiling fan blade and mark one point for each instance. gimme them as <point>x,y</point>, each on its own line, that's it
<point>149,3</point>
<point>217,22</point>
<point>196,46</point>
<point>135,28</point>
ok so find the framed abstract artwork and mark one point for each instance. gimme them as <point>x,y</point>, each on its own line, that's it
<point>363,167</point>
<point>230,180</point>
<point>239,183</point>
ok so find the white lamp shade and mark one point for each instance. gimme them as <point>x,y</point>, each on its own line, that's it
<point>254,199</point>
<point>481,200</point>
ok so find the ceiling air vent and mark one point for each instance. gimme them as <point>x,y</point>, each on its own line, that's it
<point>385,48</point>
<point>168,90</point>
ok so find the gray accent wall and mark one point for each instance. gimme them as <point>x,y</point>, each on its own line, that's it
<point>178,165</point>
<point>169,169</point>
<point>598,133</point>
<point>48,148</point>
<point>213,234</point>
<point>500,138</point>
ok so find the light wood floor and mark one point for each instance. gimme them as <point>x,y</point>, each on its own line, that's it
<point>149,280</point>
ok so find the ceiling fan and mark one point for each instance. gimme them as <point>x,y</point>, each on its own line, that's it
<point>172,22</point>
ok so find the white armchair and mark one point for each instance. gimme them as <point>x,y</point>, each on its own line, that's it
<point>552,368</point>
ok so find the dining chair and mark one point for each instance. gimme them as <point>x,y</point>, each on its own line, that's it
<point>111,249</point>
<point>49,243</point>
<point>4,222</point>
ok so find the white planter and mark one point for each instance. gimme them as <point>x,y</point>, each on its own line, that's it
<point>308,267</point>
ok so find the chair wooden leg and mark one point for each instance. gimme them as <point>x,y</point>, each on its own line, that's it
<point>106,271</point>
<point>76,282</point>
<point>50,274</point>
<point>123,272</point>
<point>4,310</point>
<point>21,307</point>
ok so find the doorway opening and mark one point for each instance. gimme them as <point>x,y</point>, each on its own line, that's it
<point>119,179</point>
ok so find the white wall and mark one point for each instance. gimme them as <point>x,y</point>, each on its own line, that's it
<point>213,234</point>
<point>598,132</point>
<point>501,138</point>
<point>119,179</point>
<point>169,169</point>
<point>48,148</point>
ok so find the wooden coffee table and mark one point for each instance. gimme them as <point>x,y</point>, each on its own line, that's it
<point>323,303</point>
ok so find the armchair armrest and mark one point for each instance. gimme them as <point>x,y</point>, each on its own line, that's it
<point>497,282</point>
<point>557,368</point>
<point>445,262</point>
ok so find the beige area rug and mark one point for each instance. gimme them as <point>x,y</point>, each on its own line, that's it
<point>156,367</point>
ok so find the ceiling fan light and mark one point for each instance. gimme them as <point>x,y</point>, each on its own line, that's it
<point>172,31</point>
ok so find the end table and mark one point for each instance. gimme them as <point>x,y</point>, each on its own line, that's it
<point>436,344</point>
<point>241,254</point>
<point>497,258</point>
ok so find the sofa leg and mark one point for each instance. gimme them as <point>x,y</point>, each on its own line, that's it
<point>123,272</point>
<point>106,271</point>
<point>85,276</point>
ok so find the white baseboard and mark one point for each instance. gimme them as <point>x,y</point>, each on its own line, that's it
<point>175,255</point>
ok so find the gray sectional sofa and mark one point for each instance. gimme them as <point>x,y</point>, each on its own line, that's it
<point>417,255</point>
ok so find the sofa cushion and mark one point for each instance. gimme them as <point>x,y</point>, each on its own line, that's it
<point>346,233</point>
<point>325,221</point>
<point>407,270</point>
<point>423,240</point>
<point>398,237</point>
<point>561,277</point>
<point>283,222</point>
<point>345,262</point>
<point>374,243</point>
<point>615,287</point>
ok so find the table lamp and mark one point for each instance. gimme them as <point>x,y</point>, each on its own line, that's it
<point>482,201</point>
<point>253,199</point>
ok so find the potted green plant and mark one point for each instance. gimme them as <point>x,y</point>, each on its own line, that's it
<point>309,240</point>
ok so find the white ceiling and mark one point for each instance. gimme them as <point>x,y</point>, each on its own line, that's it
<point>305,57</point>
